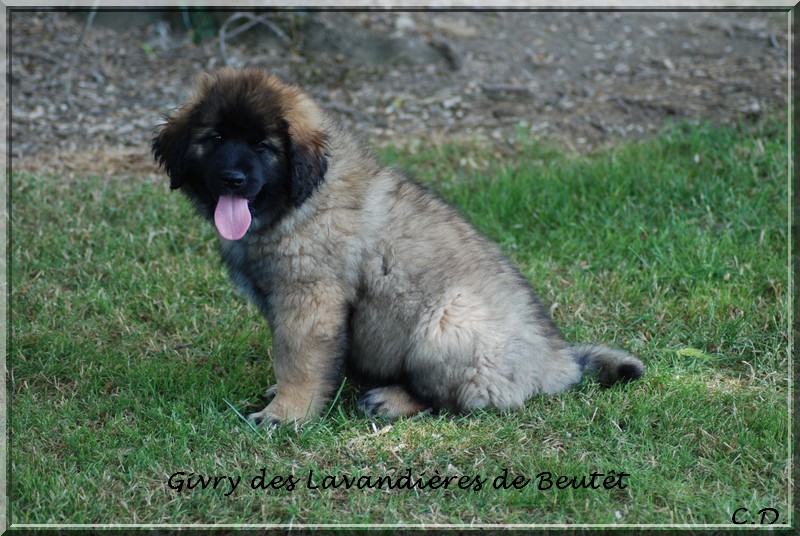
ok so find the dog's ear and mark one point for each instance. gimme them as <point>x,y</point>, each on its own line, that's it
<point>308,162</point>
<point>169,147</point>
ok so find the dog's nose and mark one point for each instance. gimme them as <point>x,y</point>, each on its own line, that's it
<point>233,177</point>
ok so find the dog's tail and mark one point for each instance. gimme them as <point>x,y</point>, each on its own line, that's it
<point>607,365</point>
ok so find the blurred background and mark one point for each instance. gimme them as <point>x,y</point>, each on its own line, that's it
<point>87,88</point>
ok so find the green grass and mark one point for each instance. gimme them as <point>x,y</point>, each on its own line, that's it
<point>131,355</point>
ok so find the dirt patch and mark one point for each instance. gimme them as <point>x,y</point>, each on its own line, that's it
<point>585,79</point>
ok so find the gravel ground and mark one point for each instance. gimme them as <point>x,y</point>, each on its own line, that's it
<point>584,79</point>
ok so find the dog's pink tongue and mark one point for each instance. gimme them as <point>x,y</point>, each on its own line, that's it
<point>232,217</point>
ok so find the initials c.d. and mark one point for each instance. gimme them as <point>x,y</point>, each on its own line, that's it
<point>769,516</point>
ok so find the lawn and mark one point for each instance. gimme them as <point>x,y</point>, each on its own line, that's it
<point>131,355</point>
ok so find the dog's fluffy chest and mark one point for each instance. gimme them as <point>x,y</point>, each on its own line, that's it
<point>250,277</point>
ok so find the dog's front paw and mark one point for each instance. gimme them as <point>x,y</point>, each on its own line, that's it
<point>286,408</point>
<point>391,402</point>
<point>263,418</point>
<point>270,391</point>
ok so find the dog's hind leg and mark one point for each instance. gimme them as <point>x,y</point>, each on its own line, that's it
<point>392,402</point>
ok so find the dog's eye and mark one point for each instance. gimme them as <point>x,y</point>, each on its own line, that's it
<point>265,145</point>
<point>215,137</point>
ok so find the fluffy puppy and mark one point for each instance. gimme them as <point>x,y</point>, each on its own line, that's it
<point>355,264</point>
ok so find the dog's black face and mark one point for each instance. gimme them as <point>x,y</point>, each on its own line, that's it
<point>234,154</point>
<point>237,164</point>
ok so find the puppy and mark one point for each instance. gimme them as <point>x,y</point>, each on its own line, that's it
<point>356,266</point>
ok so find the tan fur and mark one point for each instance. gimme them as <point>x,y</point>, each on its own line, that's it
<point>430,309</point>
